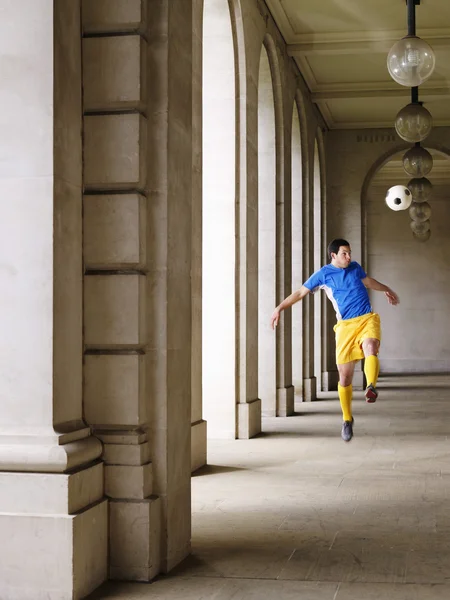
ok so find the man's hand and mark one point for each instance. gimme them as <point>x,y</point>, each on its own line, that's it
<point>392,298</point>
<point>275,318</point>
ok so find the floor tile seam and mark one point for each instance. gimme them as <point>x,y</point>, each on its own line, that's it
<point>313,581</point>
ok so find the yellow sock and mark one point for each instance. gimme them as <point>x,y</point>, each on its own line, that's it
<point>371,369</point>
<point>345,398</point>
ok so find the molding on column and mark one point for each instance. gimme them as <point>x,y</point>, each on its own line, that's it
<point>25,454</point>
<point>285,401</point>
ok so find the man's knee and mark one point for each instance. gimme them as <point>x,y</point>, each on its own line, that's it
<point>371,346</point>
<point>345,380</point>
<point>346,374</point>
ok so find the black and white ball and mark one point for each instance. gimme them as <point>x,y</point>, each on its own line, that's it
<point>398,197</point>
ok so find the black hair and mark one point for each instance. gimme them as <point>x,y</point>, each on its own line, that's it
<point>335,245</point>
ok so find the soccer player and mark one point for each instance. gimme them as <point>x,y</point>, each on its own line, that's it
<point>358,330</point>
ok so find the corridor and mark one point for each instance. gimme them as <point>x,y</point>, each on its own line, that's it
<point>298,514</point>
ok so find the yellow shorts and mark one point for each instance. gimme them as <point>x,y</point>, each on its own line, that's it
<point>351,333</point>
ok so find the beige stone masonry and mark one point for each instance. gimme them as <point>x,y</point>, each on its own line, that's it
<point>114,231</point>
<point>134,528</point>
<point>169,277</point>
<point>115,222</point>
<point>131,482</point>
<point>114,310</point>
<point>53,515</point>
<point>120,454</point>
<point>114,73</point>
<point>101,16</point>
<point>114,390</point>
<point>198,445</point>
<point>115,152</point>
<point>198,426</point>
<point>249,419</point>
<point>72,572</point>
<point>51,494</point>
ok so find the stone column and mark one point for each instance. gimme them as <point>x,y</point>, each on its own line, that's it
<point>330,375</point>
<point>53,515</point>
<point>309,380</point>
<point>116,263</point>
<point>285,389</point>
<point>198,433</point>
<point>169,310</point>
<point>249,405</point>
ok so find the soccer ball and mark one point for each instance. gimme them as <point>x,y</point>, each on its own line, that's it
<point>398,197</point>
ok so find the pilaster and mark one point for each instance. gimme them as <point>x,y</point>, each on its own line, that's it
<point>309,380</point>
<point>169,309</point>
<point>198,425</point>
<point>249,405</point>
<point>115,250</point>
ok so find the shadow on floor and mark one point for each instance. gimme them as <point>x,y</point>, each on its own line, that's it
<point>215,470</point>
<point>318,432</point>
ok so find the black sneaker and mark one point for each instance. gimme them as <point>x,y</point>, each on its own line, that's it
<point>347,430</point>
<point>371,393</point>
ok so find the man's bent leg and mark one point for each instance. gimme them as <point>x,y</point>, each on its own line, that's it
<point>370,348</point>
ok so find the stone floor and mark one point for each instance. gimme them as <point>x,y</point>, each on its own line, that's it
<point>298,513</point>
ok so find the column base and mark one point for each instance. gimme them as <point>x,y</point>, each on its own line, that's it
<point>309,389</point>
<point>285,401</point>
<point>330,380</point>
<point>198,445</point>
<point>46,553</point>
<point>249,419</point>
<point>47,451</point>
<point>134,543</point>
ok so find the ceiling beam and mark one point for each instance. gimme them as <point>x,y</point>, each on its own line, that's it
<point>380,91</point>
<point>377,124</point>
<point>319,46</point>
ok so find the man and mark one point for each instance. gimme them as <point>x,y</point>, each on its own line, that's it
<point>358,331</point>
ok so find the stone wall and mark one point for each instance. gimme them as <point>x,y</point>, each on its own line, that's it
<point>414,338</point>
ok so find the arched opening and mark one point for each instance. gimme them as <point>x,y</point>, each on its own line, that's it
<point>298,275</point>
<point>318,261</point>
<point>219,254</point>
<point>413,338</point>
<point>266,236</point>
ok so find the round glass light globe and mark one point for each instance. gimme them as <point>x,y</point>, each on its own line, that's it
<point>413,123</point>
<point>420,211</point>
<point>411,61</point>
<point>420,188</point>
<point>422,237</point>
<point>417,161</point>
<point>420,227</point>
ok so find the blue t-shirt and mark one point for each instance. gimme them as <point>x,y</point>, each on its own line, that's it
<point>344,288</point>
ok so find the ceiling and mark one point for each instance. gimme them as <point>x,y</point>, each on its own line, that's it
<point>341,47</point>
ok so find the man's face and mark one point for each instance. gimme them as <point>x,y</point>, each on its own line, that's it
<point>343,258</point>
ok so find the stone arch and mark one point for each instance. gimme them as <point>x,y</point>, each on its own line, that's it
<point>271,50</point>
<point>319,254</point>
<point>219,171</point>
<point>378,164</point>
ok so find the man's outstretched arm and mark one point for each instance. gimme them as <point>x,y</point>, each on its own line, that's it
<point>287,302</point>
<point>373,284</point>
